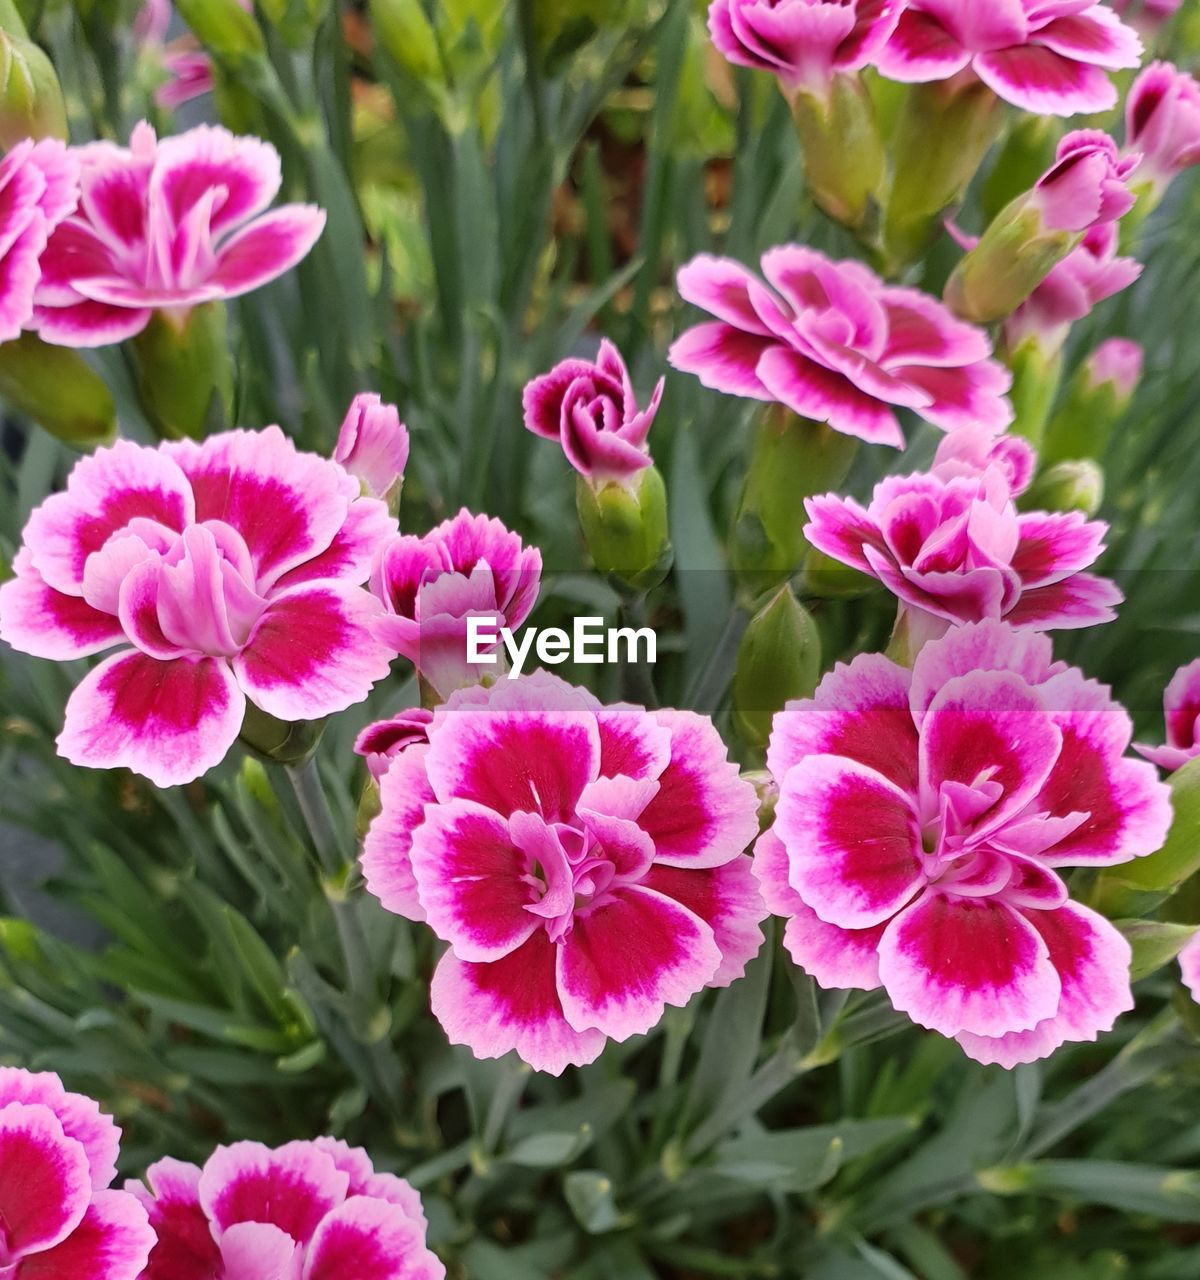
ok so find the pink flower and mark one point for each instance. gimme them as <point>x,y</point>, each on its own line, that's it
<point>39,187</point>
<point>373,445</point>
<point>189,74</point>
<point>951,546</point>
<point>166,226</point>
<point>1116,362</point>
<point>803,42</point>
<point>380,743</point>
<point>1148,16</point>
<point>832,342</point>
<point>922,816</point>
<point>591,410</point>
<point>1051,57</point>
<point>1181,710</point>
<point>1088,183</point>
<point>1086,277</point>
<point>583,862</point>
<point>1189,965</point>
<point>58,1158</point>
<point>469,566</point>
<point>306,1211</point>
<point>1162,122</point>
<point>231,567</point>
<point>971,451</point>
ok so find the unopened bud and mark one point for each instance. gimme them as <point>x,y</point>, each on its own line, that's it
<point>224,27</point>
<point>779,659</point>
<point>31,100</point>
<point>59,390</point>
<point>403,28</point>
<point>1074,485</point>
<point>297,21</point>
<point>1097,397</point>
<point>373,446</point>
<point>625,528</point>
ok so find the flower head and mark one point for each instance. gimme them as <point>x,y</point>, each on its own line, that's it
<point>58,1158</point>
<point>1087,184</point>
<point>591,410</point>
<point>39,187</point>
<point>1181,710</point>
<point>1116,362</point>
<point>468,566</point>
<point>583,862</point>
<point>1189,966</point>
<point>316,1209</point>
<point>972,451</point>
<point>373,445</point>
<point>228,570</point>
<point>380,743</point>
<point>922,818</point>
<point>950,545</point>
<point>1162,123</point>
<point>832,342</point>
<point>1052,57</point>
<point>166,226</point>
<point>803,42</point>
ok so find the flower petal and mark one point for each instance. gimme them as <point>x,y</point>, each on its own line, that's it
<point>1037,79</point>
<point>1082,600</point>
<point>370,1240</point>
<point>185,1248</point>
<point>45,1183</point>
<point>112,1242</point>
<point>268,247</point>
<point>257,1251</point>
<point>404,791</point>
<point>724,358</point>
<point>921,49</point>
<point>88,324</point>
<point>189,165</point>
<point>815,392</point>
<point>36,619</point>
<point>1095,36</point>
<point>81,1117</point>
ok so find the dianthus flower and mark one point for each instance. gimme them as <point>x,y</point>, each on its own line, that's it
<point>1181,710</point>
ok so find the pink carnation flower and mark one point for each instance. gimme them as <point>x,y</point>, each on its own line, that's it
<point>166,226</point>
<point>1086,277</point>
<point>468,566</point>
<point>373,445</point>
<point>832,342</point>
<point>1189,966</point>
<point>311,1210</point>
<point>591,410</point>
<point>39,187</point>
<point>583,862</point>
<point>1162,123</point>
<point>1052,57</point>
<point>58,1158</point>
<point>922,817</point>
<point>1181,710</point>
<point>972,451</point>
<point>189,68</point>
<point>231,567</point>
<point>1087,184</point>
<point>1116,362</point>
<point>380,743</point>
<point>803,42</point>
<point>951,546</point>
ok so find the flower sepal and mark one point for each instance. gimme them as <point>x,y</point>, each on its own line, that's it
<point>625,528</point>
<point>184,372</point>
<point>276,741</point>
<point>779,659</point>
<point>31,99</point>
<point>1075,484</point>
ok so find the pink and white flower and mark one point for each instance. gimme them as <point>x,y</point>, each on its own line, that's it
<point>39,187</point>
<point>467,567</point>
<point>803,42</point>
<point>306,1211</point>
<point>583,862</point>
<point>380,743</point>
<point>1189,965</point>
<point>1181,710</point>
<point>58,1159</point>
<point>227,570</point>
<point>165,226</point>
<point>1162,123</point>
<point>834,343</point>
<point>1086,277</point>
<point>952,547</point>
<point>1117,363</point>
<point>1051,57</point>
<point>1087,184</point>
<point>923,818</point>
<point>373,445</point>
<point>591,409</point>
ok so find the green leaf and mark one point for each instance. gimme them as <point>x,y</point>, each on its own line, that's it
<point>1155,943</point>
<point>590,1195</point>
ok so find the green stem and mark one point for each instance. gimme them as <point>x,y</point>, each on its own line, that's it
<point>710,685</point>
<point>638,680</point>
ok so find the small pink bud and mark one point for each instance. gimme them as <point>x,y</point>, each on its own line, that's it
<point>1088,183</point>
<point>373,445</point>
<point>1118,361</point>
<point>1162,123</point>
<point>380,743</point>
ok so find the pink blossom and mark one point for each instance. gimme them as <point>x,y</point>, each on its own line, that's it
<point>1116,362</point>
<point>1162,123</point>
<point>1051,57</point>
<point>39,187</point>
<point>951,546</point>
<point>1181,710</point>
<point>189,74</point>
<point>58,1158</point>
<point>834,343</point>
<point>803,42</point>
<point>469,566</point>
<point>1086,277</point>
<point>1087,184</point>
<point>591,410</point>
<point>922,817</point>
<point>1148,16</point>
<point>166,226</point>
<point>1189,965</point>
<point>380,743</point>
<point>306,1211</point>
<point>231,567</point>
<point>373,445</point>
<point>971,451</point>
<point>583,862</point>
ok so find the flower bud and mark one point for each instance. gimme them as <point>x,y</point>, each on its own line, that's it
<point>830,579</point>
<point>184,373</point>
<point>403,29</point>
<point>278,741</point>
<point>59,390</point>
<point>31,100</point>
<point>792,459</point>
<point>625,528</point>
<point>1162,126</point>
<point>224,27</point>
<point>297,21</point>
<point>373,446</point>
<point>1096,399</point>
<point>779,659</point>
<point>1074,485</point>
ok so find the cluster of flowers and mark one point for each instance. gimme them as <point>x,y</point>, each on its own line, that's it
<point>307,1211</point>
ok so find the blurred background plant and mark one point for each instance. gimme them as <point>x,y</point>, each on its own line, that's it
<point>504,182</point>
